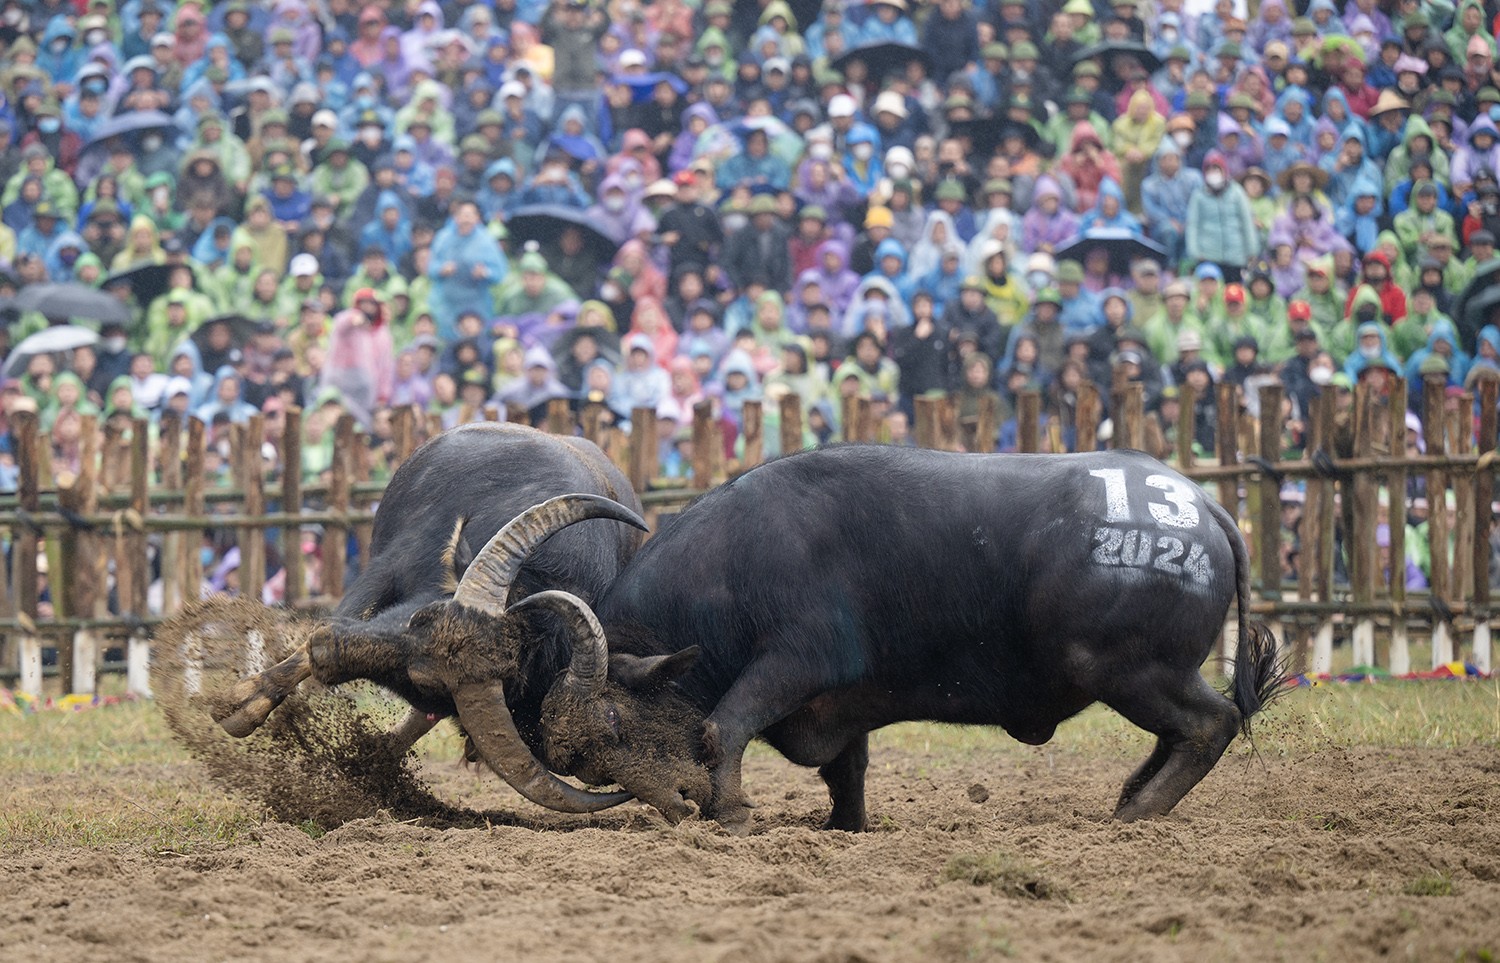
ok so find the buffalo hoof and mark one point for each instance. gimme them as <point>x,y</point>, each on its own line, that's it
<point>251,701</point>
<point>844,823</point>
<point>734,818</point>
<point>674,810</point>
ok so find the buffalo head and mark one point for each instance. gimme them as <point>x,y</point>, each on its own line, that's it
<point>460,652</point>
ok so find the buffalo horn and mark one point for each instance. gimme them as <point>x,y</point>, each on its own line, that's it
<point>589,667</point>
<point>487,719</point>
<point>486,583</point>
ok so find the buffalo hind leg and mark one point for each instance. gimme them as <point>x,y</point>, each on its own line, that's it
<point>845,777</point>
<point>1143,775</point>
<point>1193,724</point>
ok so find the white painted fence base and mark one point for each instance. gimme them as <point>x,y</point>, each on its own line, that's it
<point>1322,653</point>
<point>138,666</point>
<point>1362,642</point>
<point>1400,648</point>
<point>1482,646</point>
<point>85,662</point>
<point>31,666</point>
<point>1442,644</point>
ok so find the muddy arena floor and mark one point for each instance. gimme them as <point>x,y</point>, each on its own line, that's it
<point>980,848</point>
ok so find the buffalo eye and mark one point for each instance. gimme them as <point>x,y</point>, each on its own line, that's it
<point>612,716</point>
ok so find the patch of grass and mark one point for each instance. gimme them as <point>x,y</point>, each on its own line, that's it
<point>1383,715</point>
<point>1432,884</point>
<point>1003,873</point>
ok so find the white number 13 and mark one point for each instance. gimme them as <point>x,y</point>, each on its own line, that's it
<point>1181,497</point>
<point>1181,512</point>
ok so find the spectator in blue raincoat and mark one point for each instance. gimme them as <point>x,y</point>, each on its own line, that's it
<point>466,262</point>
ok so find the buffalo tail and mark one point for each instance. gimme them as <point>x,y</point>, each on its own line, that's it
<point>1260,669</point>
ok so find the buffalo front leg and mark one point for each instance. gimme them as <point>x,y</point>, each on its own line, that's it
<point>845,777</point>
<point>759,698</point>
<point>253,698</point>
<point>332,657</point>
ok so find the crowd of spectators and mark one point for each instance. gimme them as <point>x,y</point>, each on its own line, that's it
<point>505,202</point>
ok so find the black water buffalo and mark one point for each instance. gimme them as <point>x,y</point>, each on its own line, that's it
<point>830,593</point>
<point>473,486</point>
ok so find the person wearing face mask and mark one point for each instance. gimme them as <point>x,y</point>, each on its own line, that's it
<point>1166,193</point>
<point>62,144</point>
<point>1220,226</point>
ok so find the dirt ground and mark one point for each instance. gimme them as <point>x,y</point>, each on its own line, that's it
<point>975,854</point>
<point>1314,847</point>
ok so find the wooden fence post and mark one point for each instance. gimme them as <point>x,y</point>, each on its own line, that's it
<point>1187,421</point>
<point>752,431</point>
<point>28,464</point>
<point>76,583</point>
<point>291,495</point>
<point>1362,555</point>
<point>708,446</point>
<point>252,541</point>
<point>643,454</point>
<point>138,649</point>
<point>403,435</point>
<point>1086,417</point>
<point>1268,520</point>
<point>1029,421</point>
<point>1434,424</point>
<point>1314,543</point>
<point>559,417</point>
<point>193,505</point>
<point>169,465</point>
<point>1395,486</point>
<point>336,540</point>
<point>590,421</point>
<point>791,424</point>
<point>1130,423</point>
<point>986,425</point>
<point>926,428</point>
<point>1461,570</point>
<point>1484,493</point>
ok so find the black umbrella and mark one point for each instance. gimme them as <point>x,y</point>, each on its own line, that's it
<point>132,123</point>
<point>986,133</point>
<point>1480,295</point>
<point>76,302</point>
<point>147,281</point>
<point>1124,247</point>
<point>544,223</point>
<point>241,330</point>
<point>1110,51</point>
<point>883,58</point>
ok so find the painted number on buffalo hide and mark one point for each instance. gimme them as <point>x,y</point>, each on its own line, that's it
<point>1164,543</point>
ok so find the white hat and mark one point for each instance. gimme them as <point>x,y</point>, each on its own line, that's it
<point>842,105</point>
<point>632,58</point>
<point>778,63</point>
<point>662,188</point>
<point>325,118</point>
<point>304,266</point>
<point>890,102</point>
<point>164,39</point>
<point>512,88</point>
<point>177,385</point>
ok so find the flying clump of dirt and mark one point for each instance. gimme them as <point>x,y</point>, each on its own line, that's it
<point>320,757</point>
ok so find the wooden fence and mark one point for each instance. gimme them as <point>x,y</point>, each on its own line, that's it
<point>95,529</point>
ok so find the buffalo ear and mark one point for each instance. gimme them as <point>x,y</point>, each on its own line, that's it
<point>654,671</point>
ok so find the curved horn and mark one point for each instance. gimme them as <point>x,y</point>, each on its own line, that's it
<point>589,668</point>
<point>487,720</point>
<point>487,582</point>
